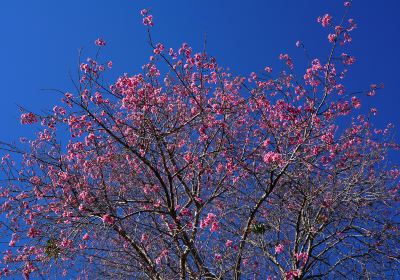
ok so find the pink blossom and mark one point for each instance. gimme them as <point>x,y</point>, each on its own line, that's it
<point>279,248</point>
<point>325,20</point>
<point>292,274</point>
<point>100,42</point>
<point>13,240</point>
<point>211,219</point>
<point>108,219</point>
<point>27,270</point>
<point>211,216</point>
<point>347,38</point>
<point>272,158</point>
<point>35,180</point>
<point>218,257</point>
<point>159,48</point>
<point>303,257</point>
<point>356,102</point>
<point>332,37</point>
<point>144,12</point>
<point>266,143</point>
<point>327,138</point>
<point>188,157</point>
<point>347,59</point>
<point>144,237</point>
<point>33,232</point>
<point>198,199</point>
<point>186,212</point>
<point>288,59</point>
<point>197,131</point>
<point>148,21</point>
<point>214,227</point>
<point>163,255</point>
<point>28,118</point>
<point>338,29</point>
<point>220,168</point>
<point>86,236</point>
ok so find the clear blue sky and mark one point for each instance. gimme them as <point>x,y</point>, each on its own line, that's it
<point>40,39</point>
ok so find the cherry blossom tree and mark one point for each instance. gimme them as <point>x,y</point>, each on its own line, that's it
<point>187,171</point>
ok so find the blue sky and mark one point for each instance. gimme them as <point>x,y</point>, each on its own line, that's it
<point>40,39</point>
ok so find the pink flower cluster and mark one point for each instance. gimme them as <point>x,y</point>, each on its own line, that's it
<point>35,180</point>
<point>301,257</point>
<point>288,59</point>
<point>86,237</point>
<point>325,20</point>
<point>272,158</point>
<point>163,255</point>
<point>292,274</point>
<point>159,48</point>
<point>279,248</point>
<point>356,102</point>
<point>108,219</point>
<point>144,237</point>
<point>100,42</point>
<point>218,257</point>
<point>332,38</point>
<point>28,118</point>
<point>347,59</point>
<point>33,232</point>
<point>147,19</point>
<point>210,220</point>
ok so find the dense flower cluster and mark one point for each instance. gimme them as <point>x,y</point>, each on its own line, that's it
<point>28,118</point>
<point>196,173</point>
